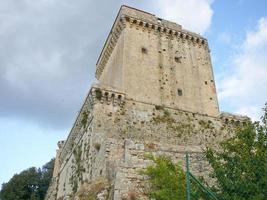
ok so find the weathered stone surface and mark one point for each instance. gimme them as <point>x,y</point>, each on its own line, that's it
<point>156,95</point>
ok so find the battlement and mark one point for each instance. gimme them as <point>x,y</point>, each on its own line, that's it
<point>147,22</point>
<point>85,116</point>
<point>107,96</point>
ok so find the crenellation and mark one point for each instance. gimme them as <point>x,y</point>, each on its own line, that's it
<point>168,28</point>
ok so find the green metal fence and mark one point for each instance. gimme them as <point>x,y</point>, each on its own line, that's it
<point>193,183</point>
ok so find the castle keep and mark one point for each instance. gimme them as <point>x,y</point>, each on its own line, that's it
<point>155,95</point>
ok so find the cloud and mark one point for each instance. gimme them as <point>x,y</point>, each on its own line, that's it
<point>245,86</point>
<point>194,15</point>
<point>49,49</point>
<point>48,54</point>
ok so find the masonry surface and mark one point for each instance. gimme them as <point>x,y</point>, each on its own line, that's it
<point>155,95</point>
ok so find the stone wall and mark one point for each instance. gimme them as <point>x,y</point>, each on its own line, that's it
<point>112,145</point>
<point>173,64</point>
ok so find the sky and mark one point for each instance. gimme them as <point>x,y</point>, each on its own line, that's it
<point>48,51</point>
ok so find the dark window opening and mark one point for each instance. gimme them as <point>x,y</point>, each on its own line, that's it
<point>211,81</point>
<point>164,49</point>
<point>179,92</point>
<point>144,50</point>
<point>206,82</point>
<point>177,59</point>
<point>210,98</point>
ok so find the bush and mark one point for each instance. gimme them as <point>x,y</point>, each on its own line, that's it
<point>240,167</point>
<point>166,179</point>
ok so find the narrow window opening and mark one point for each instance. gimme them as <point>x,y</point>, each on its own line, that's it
<point>179,92</point>
<point>144,50</point>
<point>106,95</point>
<point>206,82</point>
<point>177,59</point>
<point>210,98</point>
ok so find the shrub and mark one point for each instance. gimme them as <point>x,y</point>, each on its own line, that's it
<point>166,179</point>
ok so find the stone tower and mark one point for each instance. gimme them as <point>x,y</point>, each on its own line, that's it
<point>156,95</point>
<point>155,61</point>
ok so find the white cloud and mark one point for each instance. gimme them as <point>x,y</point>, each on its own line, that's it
<point>245,87</point>
<point>194,15</point>
<point>47,56</point>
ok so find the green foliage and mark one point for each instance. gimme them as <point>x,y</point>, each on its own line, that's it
<point>178,127</point>
<point>84,119</point>
<point>30,184</point>
<point>167,180</point>
<point>98,93</point>
<point>78,169</point>
<point>241,166</point>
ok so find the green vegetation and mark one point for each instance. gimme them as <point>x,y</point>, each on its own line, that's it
<point>89,191</point>
<point>30,184</point>
<point>98,93</point>
<point>206,124</point>
<point>240,168</point>
<point>84,119</point>
<point>166,179</point>
<point>172,125</point>
<point>165,118</point>
<point>77,174</point>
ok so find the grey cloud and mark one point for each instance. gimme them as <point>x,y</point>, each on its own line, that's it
<point>48,54</point>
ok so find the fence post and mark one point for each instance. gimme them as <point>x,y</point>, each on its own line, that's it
<point>187,177</point>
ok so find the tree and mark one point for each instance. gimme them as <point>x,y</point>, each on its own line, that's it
<point>30,184</point>
<point>240,167</point>
<point>47,173</point>
<point>166,179</point>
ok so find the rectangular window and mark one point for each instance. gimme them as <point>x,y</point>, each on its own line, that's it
<point>178,59</point>
<point>144,50</point>
<point>179,92</point>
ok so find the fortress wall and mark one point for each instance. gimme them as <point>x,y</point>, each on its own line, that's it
<point>141,70</point>
<point>113,73</point>
<point>114,146</point>
<point>157,65</point>
<point>146,122</point>
<point>87,162</point>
